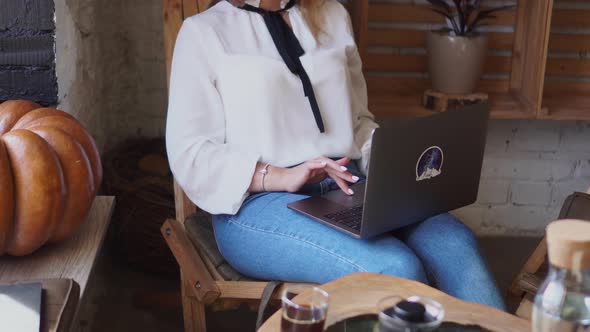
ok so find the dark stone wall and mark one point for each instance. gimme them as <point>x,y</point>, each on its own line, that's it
<point>27,51</point>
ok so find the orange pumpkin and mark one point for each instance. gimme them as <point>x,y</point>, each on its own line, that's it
<point>50,170</point>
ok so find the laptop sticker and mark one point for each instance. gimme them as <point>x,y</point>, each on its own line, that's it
<point>429,164</point>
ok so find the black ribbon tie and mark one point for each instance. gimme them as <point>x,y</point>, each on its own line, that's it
<point>290,50</point>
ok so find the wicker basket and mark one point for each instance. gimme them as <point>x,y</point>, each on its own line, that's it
<point>137,173</point>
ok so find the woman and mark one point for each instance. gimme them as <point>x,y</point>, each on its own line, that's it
<point>268,104</point>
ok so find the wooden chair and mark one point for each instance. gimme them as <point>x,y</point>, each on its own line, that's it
<point>534,271</point>
<point>206,280</point>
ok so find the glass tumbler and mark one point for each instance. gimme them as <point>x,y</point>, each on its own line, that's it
<point>306,313</point>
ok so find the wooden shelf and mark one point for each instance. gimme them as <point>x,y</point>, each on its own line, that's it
<point>536,67</point>
<point>503,105</point>
<point>566,107</point>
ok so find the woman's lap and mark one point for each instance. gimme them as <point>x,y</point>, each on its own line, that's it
<point>256,240</point>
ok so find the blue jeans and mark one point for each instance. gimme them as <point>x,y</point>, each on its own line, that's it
<point>266,240</point>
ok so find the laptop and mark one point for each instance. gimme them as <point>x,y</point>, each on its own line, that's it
<point>418,168</point>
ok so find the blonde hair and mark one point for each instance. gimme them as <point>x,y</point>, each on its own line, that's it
<point>309,8</point>
<point>311,12</point>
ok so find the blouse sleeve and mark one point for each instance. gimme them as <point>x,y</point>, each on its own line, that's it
<point>364,120</point>
<point>215,175</point>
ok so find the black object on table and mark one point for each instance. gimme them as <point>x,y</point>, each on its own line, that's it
<point>368,323</point>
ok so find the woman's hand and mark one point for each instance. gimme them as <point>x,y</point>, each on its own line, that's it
<point>312,171</point>
<point>316,170</point>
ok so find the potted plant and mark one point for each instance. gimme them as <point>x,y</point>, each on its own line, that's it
<point>456,53</point>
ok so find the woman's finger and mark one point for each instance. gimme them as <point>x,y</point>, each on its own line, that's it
<point>343,185</point>
<point>316,164</point>
<point>346,176</point>
<point>331,164</point>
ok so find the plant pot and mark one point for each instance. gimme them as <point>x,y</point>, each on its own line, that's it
<point>456,63</point>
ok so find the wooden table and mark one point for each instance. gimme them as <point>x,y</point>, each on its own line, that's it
<point>59,304</point>
<point>358,294</point>
<point>71,259</point>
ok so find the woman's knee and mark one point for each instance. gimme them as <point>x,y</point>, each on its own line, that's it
<point>449,227</point>
<point>399,263</point>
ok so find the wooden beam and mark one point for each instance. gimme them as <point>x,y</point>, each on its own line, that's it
<point>529,60</point>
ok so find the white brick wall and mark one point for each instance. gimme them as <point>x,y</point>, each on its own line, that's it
<point>494,192</point>
<point>530,167</point>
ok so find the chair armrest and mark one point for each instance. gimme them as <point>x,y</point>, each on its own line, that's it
<point>192,267</point>
<point>529,283</point>
<point>531,266</point>
<point>183,205</point>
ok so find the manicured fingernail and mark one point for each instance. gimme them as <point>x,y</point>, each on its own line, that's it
<point>343,168</point>
<point>324,163</point>
<point>355,178</point>
<point>350,191</point>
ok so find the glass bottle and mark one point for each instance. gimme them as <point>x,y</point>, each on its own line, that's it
<point>562,303</point>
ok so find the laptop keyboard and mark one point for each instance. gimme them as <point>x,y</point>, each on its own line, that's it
<point>350,217</point>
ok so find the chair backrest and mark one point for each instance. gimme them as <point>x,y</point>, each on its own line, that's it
<point>175,11</point>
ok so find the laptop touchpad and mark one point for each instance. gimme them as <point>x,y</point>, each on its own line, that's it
<point>337,196</point>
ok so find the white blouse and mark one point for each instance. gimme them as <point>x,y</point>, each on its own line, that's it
<point>233,101</point>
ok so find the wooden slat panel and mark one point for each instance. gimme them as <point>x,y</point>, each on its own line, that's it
<point>359,17</point>
<point>569,43</point>
<point>573,67</point>
<point>571,18</point>
<point>190,8</point>
<point>417,38</point>
<point>419,63</point>
<point>567,100</point>
<point>384,12</point>
<point>411,85</point>
<point>566,88</point>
